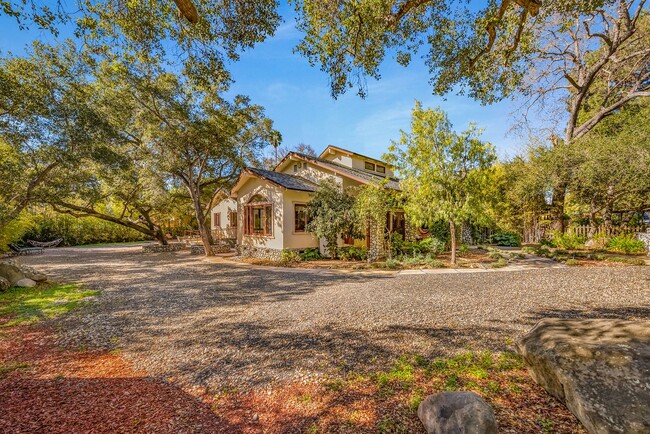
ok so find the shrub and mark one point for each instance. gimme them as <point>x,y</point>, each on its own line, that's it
<point>310,255</point>
<point>494,255</point>
<point>289,255</point>
<point>464,249</point>
<point>510,239</point>
<point>432,245</point>
<point>501,262</point>
<point>571,262</point>
<point>392,264</point>
<point>567,241</point>
<point>353,254</point>
<point>626,244</point>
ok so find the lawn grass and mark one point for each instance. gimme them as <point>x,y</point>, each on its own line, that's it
<point>45,301</point>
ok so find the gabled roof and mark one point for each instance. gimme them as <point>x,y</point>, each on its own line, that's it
<point>362,176</point>
<point>284,180</point>
<point>331,149</point>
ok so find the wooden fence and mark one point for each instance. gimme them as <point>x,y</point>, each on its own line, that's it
<point>538,232</point>
<point>610,231</point>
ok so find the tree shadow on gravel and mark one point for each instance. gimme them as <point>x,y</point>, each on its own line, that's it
<point>250,354</point>
<point>620,312</point>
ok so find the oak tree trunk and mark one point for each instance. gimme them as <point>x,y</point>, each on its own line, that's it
<point>204,229</point>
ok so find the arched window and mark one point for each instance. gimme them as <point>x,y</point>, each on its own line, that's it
<point>258,217</point>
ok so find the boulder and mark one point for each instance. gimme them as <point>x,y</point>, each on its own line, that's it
<point>457,413</point>
<point>25,283</point>
<point>599,368</point>
<point>32,273</point>
<point>11,272</point>
<point>4,284</point>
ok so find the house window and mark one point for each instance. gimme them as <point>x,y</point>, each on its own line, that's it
<point>381,169</point>
<point>370,166</point>
<point>301,218</point>
<point>258,217</point>
<point>295,168</point>
<point>233,219</point>
<point>217,219</point>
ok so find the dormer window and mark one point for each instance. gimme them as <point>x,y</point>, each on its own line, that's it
<point>370,166</point>
<point>381,169</point>
<point>295,168</point>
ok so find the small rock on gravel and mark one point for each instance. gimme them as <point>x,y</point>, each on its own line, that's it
<point>457,413</point>
<point>25,283</point>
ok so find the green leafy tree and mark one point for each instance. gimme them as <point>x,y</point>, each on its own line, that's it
<point>445,175</point>
<point>197,36</point>
<point>332,215</point>
<point>47,120</point>
<point>185,131</point>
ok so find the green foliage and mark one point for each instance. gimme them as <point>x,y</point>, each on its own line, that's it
<point>429,245</point>
<point>626,244</point>
<point>392,264</point>
<point>30,305</point>
<point>332,214</point>
<point>47,226</point>
<point>353,253</point>
<point>463,249</point>
<point>351,40</point>
<point>289,255</point>
<point>372,202</point>
<point>572,262</point>
<point>568,241</point>
<point>500,263</point>
<point>445,175</point>
<point>310,255</point>
<point>511,239</point>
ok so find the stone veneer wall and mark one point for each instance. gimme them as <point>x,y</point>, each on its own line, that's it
<point>198,249</point>
<point>158,248</point>
<point>260,252</point>
<point>645,237</point>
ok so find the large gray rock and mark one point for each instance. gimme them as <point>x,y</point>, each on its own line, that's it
<point>32,273</point>
<point>25,283</point>
<point>11,272</point>
<point>457,413</point>
<point>4,284</point>
<point>600,368</point>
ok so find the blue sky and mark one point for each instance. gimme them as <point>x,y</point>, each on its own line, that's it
<point>296,96</point>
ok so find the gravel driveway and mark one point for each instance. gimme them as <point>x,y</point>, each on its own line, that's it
<point>217,325</point>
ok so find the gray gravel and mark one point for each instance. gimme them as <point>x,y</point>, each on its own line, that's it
<point>218,325</point>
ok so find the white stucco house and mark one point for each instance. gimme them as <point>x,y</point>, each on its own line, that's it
<point>267,212</point>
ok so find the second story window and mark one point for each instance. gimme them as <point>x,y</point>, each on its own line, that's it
<point>370,166</point>
<point>381,169</point>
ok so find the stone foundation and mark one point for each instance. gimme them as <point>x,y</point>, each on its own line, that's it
<point>198,249</point>
<point>260,252</point>
<point>645,237</point>
<point>158,248</point>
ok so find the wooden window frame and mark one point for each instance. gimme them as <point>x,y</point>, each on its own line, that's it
<point>249,219</point>
<point>295,218</point>
<point>232,221</point>
<point>369,166</point>
<point>217,219</point>
<point>383,169</point>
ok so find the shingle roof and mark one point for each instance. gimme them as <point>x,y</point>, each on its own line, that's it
<point>291,182</point>
<point>393,183</point>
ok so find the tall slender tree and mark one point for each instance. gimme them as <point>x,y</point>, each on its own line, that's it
<point>445,175</point>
